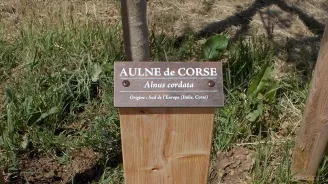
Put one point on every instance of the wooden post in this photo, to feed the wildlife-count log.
(160, 145)
(313, 136)
(166, 145)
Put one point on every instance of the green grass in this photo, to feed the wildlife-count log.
(53, 89)
(62, 75)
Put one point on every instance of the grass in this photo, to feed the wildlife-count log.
(53, 89)
(57, 83)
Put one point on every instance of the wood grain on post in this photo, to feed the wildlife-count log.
(160, 145)
(166, 145)
(313, 136)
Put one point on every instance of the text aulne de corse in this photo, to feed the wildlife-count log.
(158, 72)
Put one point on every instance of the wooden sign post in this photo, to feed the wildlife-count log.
(166, 145)
(170, 142)
(313, 136)
(166, 109)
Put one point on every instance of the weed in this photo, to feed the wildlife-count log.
(112, 176)
(244, 60)
(270, 167)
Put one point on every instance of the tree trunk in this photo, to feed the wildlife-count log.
(313, 136)
(135, 30)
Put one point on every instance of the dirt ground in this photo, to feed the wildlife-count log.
(45, 170)
(295, 23)
(233, 167)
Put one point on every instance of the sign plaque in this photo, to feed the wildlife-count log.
(168, 84)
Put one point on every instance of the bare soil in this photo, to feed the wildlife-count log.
(49, 170)
(233, 167)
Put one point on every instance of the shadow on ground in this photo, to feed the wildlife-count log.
(244, 18)
(298, 48)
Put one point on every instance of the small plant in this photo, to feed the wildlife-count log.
(261, 90)
(244, 59)
(215, 46)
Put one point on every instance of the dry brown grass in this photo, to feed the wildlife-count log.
(173, 17)
(315, 8)
(16, 14)
(179, 17)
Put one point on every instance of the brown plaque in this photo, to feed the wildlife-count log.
(168, 84)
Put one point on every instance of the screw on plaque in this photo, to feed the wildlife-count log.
(126, 83)
(211, 83)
